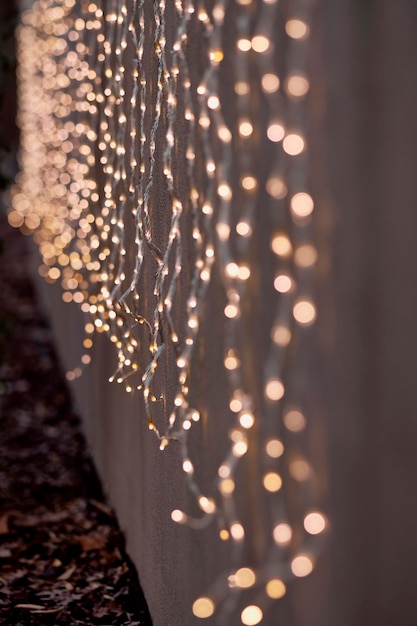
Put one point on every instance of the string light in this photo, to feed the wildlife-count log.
(251, 615)
(297, 29)
(203, 607)
(293, 144)
(274, 448)
(245, 578)
(95, 145)
(314, 523)
(297, 85)
(275, 588)
(294, 420)
(302, 565)
(270, 83)
(283, 534)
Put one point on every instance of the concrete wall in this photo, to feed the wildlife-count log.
(363, 372)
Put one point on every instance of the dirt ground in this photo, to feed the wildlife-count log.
(62, 556)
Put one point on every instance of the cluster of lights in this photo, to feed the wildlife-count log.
(94, 146)
(290, 208)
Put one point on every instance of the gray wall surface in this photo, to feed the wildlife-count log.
(363, 359)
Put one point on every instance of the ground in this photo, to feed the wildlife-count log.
(62, 556)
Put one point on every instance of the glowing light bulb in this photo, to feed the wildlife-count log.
(274, 389)
(231, 362)
(272, 482)
(232, 270)
(251, 615)
(243, 229)
(242, 88)
(282, 534)
(245, 578)
(249, 183)
(206, 504)
(246, 420)
(270, 83)
(294, 420)
(304, 312)
(283, 283)
(225, 191)
(305, 255)
(281, 245)
(227, 486)
(244, 45)
(203, 607)
(260, 43)
(244, 272)
(188, 467)
(240, 448)
(275, 588)
(297, 29)
(300, 469)
(224, 471)
(245, 128)
(293, 144)
(315, 523)
(274, 448)
(297, 85)
(302, 565)
(276, 187)
(178, 516)
(213, 102)
(275, 132)
(237, 531)
(302, 204)
(231, 311)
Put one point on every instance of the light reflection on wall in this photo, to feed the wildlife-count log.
(97, 124)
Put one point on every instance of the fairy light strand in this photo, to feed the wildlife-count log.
(104, 93)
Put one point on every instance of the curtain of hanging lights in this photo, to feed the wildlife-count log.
(111, 101)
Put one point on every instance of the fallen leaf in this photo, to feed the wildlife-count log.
(101, 612)
(93, 541)
(102, 507)
(68, 573)
(5, 553)
(4, 524)
(117, 554)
